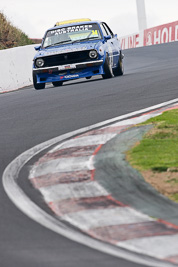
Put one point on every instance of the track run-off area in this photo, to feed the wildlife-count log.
(30, 117)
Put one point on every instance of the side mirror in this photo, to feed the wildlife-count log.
(37, 48)
(115, 35)
(107, 37)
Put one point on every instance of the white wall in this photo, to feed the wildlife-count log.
(16, 67)
(131, 41)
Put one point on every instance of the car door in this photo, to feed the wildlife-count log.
(108, 44)
(114, 44)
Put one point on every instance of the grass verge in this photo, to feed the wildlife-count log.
(156, 156)
(11, 36)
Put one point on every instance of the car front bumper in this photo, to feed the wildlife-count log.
(69, 72)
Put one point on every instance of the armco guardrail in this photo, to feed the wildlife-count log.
(16, 67)
(157, 35)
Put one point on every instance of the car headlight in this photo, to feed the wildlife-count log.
(39, 62)
(93, 54)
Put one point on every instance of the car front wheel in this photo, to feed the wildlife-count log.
(37, 86)
(119, 71)
(107, 68)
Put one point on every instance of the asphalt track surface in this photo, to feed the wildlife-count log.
(30, 117)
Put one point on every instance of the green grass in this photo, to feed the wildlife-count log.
(174, 197)
(158, 149)
(166, 119)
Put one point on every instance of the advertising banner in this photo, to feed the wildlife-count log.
(161, 34)
(131, 41)
(165, 33)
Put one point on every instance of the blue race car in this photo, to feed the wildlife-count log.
(77, 49)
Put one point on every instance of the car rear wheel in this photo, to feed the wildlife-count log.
(55, 84)
(119, 71)
(37, 86)
(107, 68)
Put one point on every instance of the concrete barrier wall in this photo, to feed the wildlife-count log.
(16, 67)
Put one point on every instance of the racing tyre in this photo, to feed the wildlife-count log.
(55, 84)
(107, 68)
(119, 71)
(88, 78)
(37, 86)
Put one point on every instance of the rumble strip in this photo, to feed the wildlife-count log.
(65, 176)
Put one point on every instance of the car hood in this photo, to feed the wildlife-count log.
(69, 48)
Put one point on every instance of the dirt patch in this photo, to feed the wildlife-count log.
(165, 182)
(163, 133)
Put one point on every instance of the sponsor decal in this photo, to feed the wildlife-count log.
(71, 76)
(65, 51)
(67, 67)
(71, 29)
(95, 33)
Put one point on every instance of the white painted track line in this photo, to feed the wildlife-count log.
(156, 246)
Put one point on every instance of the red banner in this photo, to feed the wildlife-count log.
(161, 34)
(131, 41)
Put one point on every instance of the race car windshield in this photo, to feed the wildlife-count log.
(74, 33)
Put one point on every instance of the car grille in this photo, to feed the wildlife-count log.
(67, 58)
